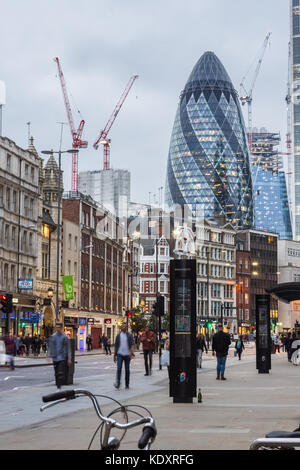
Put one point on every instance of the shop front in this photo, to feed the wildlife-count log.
(71, 326)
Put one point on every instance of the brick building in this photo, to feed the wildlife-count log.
(97, 239)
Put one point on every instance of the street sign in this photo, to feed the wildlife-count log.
(25, 284)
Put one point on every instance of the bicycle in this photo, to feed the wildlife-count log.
(278, 440)
(108, 442)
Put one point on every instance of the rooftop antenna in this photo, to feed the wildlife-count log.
(29, 134)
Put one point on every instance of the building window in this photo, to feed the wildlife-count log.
(45, 261)
(70, 241)
(13, 236)
(162, 287)
(45, 231)
(8, 199)
(24, 241)
(162, 251)
(31, 209)
(14, 201)
(5, 275)
(75, 243)
(26, 208)
(12, 276)
(6, 235)
(75, 270)
(30, 241)
(8, 162)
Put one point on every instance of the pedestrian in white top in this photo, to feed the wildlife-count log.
(124, 352)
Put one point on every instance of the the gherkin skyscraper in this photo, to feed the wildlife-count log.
(209, 160)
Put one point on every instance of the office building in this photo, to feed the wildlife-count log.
(209, 164)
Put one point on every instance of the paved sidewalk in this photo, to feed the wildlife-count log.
(232, 415)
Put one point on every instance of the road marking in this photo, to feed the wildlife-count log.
(14, 377)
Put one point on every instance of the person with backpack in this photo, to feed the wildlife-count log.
(239, 347)
(200, 346)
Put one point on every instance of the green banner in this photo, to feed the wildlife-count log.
(68, 287)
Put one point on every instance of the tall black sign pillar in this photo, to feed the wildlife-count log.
(183, 368)
(263, 334)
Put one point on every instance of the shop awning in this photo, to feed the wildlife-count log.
(287, 292)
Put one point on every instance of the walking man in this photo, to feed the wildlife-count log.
(148, 340)
(27, 342)
(60, 351)
(124, 352)
(220, 345)
(104, 340)
(200, 346)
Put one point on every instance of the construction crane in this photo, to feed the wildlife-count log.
(77, 141)
(247, 98)
(103, 136)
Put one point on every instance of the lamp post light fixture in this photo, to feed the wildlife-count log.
(59, 153)
(50, 292)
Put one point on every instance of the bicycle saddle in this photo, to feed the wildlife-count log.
(283, 434)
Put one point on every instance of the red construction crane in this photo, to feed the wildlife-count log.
(102, 139)
(76, 135)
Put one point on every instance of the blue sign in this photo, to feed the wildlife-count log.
(82, 321)
(34, 318)
(25, 284)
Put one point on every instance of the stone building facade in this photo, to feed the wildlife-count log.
(19, 212)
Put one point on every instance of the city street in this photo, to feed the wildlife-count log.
(232, 415)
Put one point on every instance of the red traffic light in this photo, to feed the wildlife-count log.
(129, 313)
(3, 297)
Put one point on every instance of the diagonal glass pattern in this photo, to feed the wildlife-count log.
(209, 164)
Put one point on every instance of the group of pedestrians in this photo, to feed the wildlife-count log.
(24, 345)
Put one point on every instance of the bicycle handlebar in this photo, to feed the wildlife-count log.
(149, 430)
(67, 394)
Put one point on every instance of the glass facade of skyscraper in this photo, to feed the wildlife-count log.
(271, 206)
(295, 111)
(209, 165)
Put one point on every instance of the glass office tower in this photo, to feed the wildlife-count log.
(295, 113)
(271, 205)
(209, 163)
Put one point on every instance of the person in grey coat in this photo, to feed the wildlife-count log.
(124, 352)
(60, 351)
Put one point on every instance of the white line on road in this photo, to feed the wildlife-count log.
(14, 377)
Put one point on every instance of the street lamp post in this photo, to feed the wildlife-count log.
(59, 152)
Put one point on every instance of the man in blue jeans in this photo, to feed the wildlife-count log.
(220, 345)
(124, 352)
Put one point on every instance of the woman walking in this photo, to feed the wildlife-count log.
(239, 346)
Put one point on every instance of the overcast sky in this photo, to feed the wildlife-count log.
(102, 43)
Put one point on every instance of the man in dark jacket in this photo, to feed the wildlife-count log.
(124, 352)
(220, 345)
(200, 346)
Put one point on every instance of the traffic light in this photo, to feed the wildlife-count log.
(128, 313)
(6, 303)
(208, 324)
(158, 308)
(155, 309)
